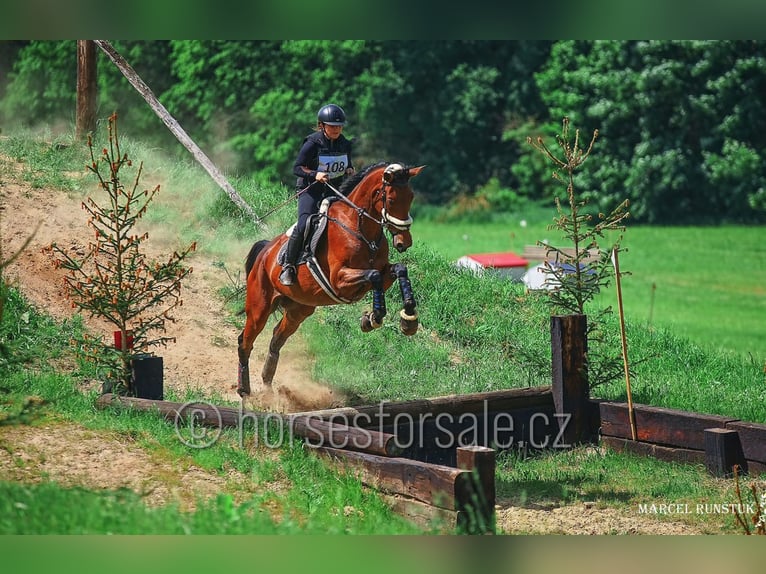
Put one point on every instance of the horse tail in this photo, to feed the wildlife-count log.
(254, 251)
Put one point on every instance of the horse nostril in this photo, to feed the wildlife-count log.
(400, 247)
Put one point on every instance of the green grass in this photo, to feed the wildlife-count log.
(705, 283)
(33, 392)
(480, 334)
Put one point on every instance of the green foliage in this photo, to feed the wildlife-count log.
(678, 119)
(666, 110)
(115, 280)
(41, 84)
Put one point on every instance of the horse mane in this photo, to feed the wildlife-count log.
(349, 185)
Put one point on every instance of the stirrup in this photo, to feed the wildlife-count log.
(287, 277)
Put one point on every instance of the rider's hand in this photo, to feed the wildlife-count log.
(350, 171)
(322, 176)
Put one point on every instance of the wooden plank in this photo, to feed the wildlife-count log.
(422, 514)
(752, 436)
(662, 426)
(664, 453)
(317, 431)
(385, 412)
(478, 502)
(437, 485)
(723, 452)
(569, 349)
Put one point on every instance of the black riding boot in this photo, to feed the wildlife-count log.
(294, 244)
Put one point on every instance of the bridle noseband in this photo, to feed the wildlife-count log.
(398, 172)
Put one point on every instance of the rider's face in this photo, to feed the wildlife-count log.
(332, 132)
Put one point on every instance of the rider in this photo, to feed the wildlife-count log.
(324, 157)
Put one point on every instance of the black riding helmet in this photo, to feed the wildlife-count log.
(331, 115)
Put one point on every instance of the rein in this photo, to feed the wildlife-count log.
(288, 200)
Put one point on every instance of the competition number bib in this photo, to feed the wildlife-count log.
(334, 164)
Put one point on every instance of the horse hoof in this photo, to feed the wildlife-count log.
(243, 393)
(408, 324)
(368, 323)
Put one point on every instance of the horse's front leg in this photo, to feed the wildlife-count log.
(408, 316)
(374, 319)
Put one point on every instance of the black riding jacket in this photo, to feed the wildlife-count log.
(336, 155)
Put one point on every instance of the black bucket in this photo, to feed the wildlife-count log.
(147, 377)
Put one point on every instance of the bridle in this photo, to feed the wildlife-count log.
(387, 221)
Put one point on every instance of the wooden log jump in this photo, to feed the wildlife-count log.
(462, 497)
(313, 429)
(719, 442)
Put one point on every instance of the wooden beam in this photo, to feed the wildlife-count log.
(422, 514)
(434, 484)
(658, 425)
(384, 413)
(753, 439)
(87, 88)
(478, 502)
(316, 431)
(723, 452)
(571, 393)
(176, 129)
(664, 453)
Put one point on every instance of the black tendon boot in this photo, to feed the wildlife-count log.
(294, 244)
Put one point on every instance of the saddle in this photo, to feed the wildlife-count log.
(315, 229)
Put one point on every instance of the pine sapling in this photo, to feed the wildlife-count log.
(115, 280)
(579, 281)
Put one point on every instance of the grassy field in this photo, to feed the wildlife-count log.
(477, 334)
(704, 283)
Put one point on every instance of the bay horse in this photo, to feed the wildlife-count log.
(350, 259)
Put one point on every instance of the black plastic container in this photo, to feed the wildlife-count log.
(147, 377)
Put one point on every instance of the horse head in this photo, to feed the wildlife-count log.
(397, 199)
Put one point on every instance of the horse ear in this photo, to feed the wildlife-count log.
(413, 171)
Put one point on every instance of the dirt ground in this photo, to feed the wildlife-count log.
(204, 357)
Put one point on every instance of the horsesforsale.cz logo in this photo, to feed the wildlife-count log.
(199, 424)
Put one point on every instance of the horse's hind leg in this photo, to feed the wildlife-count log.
(254, 324)
(258, 308)
(408, 316)
(294, 315)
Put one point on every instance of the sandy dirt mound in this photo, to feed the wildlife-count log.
(205, 354)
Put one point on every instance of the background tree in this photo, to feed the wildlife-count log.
(679, 120)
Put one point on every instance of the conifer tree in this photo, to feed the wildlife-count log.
(114, 279)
